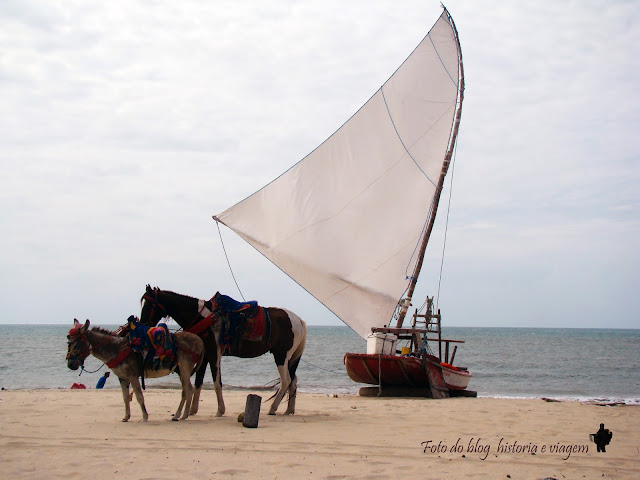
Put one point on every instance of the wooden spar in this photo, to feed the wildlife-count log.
(443, 173)
(455, 347)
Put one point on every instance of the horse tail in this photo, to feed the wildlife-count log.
(199, 364)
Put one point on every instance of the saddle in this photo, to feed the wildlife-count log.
(241, 321)
(228, 305)
(155, 345)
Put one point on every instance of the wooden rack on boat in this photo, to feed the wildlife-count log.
(416, 335)
(411, 334)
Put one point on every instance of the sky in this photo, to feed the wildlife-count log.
(125, 125)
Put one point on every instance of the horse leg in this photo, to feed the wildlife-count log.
(293, 391)
(189, 397)
(187, 391)
(285, 381)
(217, 384)
(196, 392)
(293, 387)
(176, 416)
(293, 363)
(137, 389)
(124, 384)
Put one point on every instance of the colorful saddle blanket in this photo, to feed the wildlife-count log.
(156, 345)
(240, 321)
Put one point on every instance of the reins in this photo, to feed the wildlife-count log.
(91, 348)
(82, 369)
(156, 303)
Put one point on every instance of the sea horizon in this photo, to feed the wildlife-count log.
(346, 326)
(586, 364)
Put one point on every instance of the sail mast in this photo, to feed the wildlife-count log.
(443, 173)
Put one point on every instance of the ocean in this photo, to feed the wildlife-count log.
(577, 364)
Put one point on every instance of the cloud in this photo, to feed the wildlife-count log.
(126, 125)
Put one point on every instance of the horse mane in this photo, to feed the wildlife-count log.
(103, 331)
(183, 309)
(167, 292)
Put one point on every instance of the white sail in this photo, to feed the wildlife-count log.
(346, 220)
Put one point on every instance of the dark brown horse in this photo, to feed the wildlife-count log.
(116, 352)
(285, 338)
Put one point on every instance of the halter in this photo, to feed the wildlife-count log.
(81, 355)
(164, 313)
(155, 303)
(77, 354)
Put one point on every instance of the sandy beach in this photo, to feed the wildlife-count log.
(78, 434)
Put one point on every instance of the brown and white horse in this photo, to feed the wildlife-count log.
(116, 352)
(286, 340)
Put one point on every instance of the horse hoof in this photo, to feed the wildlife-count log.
(174, 419)
(125, 419)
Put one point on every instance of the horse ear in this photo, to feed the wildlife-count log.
(76, 322)
(148, 288)
(86, 324)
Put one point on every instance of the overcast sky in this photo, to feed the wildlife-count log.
(125, 125)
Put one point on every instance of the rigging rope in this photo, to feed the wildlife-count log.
(320, 368)
(229, 263)
(446, 225)
(424, 229)
(400, 138)
(273, 383)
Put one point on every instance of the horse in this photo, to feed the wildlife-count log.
(285, 338)
(116, 351)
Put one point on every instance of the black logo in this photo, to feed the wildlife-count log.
(601, 438)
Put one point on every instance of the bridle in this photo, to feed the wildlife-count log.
(155, 303)
(79, 355)
(76, 354)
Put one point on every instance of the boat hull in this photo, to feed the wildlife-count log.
(454, 378)
(397, 370)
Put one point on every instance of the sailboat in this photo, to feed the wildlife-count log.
(350, 222)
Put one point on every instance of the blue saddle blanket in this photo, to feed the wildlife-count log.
(229, 305)
(156, 345)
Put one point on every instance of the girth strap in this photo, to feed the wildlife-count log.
(201, 326)
(121, 357)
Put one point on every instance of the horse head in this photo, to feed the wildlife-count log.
(78, 347)
(152, 310)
